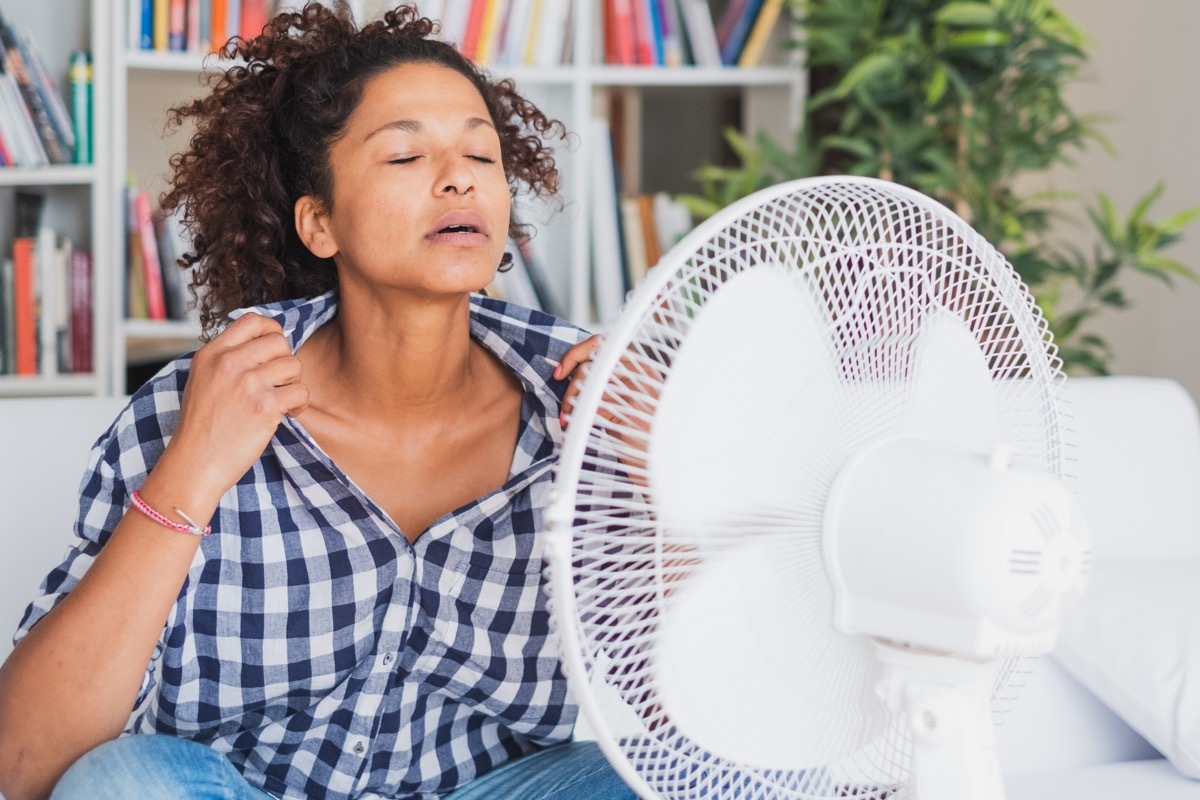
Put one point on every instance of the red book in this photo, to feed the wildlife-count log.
(254, 18)
(470, 40)
(624, 31)
(156, 302)
(643, 34)
(25, 306)
(80, 320)
(177, 26)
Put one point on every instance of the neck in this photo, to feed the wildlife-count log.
(414, 356)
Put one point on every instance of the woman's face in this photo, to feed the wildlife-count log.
(420, 199)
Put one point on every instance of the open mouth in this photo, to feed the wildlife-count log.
(459, 229)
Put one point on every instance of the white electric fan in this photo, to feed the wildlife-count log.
(810, 513)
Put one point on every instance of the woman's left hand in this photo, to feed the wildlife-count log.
(574, 365)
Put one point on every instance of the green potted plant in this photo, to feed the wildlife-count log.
(960, 100)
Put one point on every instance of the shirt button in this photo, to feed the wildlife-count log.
(388, 658)
(359, 748)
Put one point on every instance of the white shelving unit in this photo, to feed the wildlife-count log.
(74, 193)
(134, 89)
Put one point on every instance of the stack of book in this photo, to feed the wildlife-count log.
(46, 304)
(156, 285)
(677, 33)
(629, 231)
(36, 128)
(194, 26)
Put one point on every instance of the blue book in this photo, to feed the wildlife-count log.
(739, 33)
(146, 29)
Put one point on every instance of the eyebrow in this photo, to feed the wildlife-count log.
(415, 126)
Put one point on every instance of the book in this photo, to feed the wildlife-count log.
(47, 89)
(731, 48)
(173, 242)
(81, 104)
(636, 258)
(62, 305)
(7, 357)
(52, 150)
(554, 33)
(233, 18)
(81, 303)
(730, 14)
(140, 19)
(25, 306)
(607, 268)
(253, 18)
(643, 33)
(218, 33)
(29, 150)
(177, 26)
(490, 30)
(672, 46)
(156, 304)
(45, 291)
(701, 34)
(162, 25)
(191, 42)
(760, 34)
(470, 40)
(623, 32)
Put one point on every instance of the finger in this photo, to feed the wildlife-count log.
(261, 349)
(280, 371)
(575, 356)
(247, 327)
(293, 398)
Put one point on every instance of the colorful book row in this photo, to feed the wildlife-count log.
(36, 126)
(676, 33)
(46, 299)
(156, 286)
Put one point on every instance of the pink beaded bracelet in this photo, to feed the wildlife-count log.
(192, 527)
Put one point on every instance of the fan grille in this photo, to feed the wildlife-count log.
(880, 259)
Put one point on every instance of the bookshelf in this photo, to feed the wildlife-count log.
(134, 88)
(74, 204)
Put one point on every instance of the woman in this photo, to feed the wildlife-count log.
(370, 444)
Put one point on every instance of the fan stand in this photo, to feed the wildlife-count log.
(946, 701)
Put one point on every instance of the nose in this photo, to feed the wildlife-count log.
(457, 177)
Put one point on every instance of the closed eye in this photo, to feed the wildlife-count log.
(483, 159)
(406, 160)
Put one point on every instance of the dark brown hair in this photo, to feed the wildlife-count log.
(262, 139)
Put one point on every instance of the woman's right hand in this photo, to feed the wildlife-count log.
(239, 387)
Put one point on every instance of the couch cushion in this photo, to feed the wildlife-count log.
(1138, 466)
(1134, 642)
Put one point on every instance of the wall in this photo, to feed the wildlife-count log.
(1144, 75)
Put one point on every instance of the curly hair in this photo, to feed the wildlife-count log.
(262, 138)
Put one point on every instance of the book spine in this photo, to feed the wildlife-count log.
(759, 35)
(81, 105)
(253, 18)
(192, 39)
(80, 323)
(35, 108)
(24, 306)
(162, 25)
(740, 32)
(219, 35)
(155, 299)
(47, 88)
(6, 269)
(470, 43)
(62, 305)
(233, 17)
(204, 27)
(145, 24)
(177, 26)
(45, 292)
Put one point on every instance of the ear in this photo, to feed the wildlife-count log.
(312, 224)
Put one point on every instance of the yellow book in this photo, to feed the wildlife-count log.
(489, 33)
(760, 33)
(162, 25)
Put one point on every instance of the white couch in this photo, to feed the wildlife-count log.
(1139, 480)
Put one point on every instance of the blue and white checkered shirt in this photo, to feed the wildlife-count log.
(312, 644)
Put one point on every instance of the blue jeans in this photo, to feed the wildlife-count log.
(148, 767)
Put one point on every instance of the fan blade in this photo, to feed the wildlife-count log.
(746, 434)
(953, 399)
(748, 665)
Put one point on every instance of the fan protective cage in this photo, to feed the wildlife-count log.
(880, 259)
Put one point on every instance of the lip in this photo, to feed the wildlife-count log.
(438, 232)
